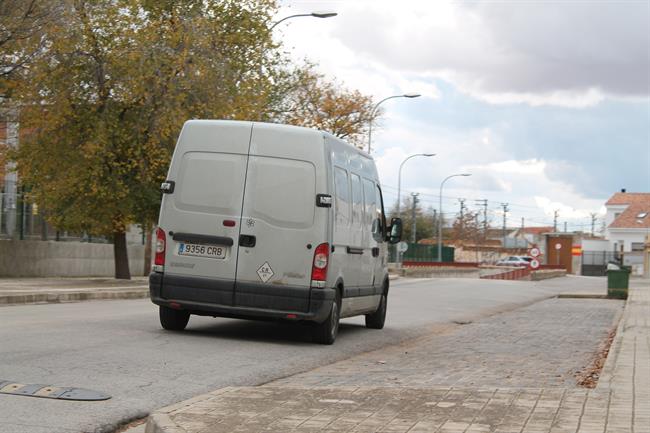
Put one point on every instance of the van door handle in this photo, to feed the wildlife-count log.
(375, 252)
(247, 241)
(352, 250)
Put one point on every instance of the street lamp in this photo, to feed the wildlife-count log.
(440, 214)
(399, 182)
(374, 109)
(317, 14)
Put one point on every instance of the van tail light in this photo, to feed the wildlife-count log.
(160, 247)
(319, 266)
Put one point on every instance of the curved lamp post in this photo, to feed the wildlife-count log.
(318, 14)
(440, 213)
(374, 109)
(399, 186)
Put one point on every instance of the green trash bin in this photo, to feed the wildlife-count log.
(618, 282)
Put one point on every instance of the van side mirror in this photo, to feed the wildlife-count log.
(395, 231)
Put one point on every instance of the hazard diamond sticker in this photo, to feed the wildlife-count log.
(265, 272)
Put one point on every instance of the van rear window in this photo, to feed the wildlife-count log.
(281, 192)
(210, 183)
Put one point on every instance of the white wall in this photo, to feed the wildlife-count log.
(627, 236)
(596, 245)
(613, 210)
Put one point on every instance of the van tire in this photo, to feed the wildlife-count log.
(377, 319)
(173, 320)
(326, 332)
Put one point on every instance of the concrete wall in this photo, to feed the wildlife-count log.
(596, 245)
(63, 259)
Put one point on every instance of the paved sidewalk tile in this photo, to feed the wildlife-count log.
(351, 401)
(544, 344)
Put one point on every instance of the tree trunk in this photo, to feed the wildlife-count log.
(121, 256)
(147, 249)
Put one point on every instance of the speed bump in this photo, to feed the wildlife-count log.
(49, 391)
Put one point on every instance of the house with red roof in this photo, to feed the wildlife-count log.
(627, 224)
(628, 220)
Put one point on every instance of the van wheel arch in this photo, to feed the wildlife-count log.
(339, 287)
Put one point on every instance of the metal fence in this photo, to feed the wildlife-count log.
(20, 219)
(594, 263)
(423, 253)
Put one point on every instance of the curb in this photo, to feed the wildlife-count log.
(56, 298)
(160, 421)
(607, 373)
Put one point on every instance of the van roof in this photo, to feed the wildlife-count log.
(279, 126)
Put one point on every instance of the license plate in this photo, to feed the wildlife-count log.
(200, 250)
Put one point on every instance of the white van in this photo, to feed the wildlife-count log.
(266, 221)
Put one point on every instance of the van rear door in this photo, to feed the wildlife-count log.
(281, 225)
(202, 216)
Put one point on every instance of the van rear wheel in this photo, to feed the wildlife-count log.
(173, 320)
(326, 332)
(377, 319)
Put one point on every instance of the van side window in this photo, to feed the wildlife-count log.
(357, 200)
(379, 222)
(342, 192)
(370, 201)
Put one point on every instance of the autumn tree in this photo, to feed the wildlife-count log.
(106, 101)
(105, 98)
(467, 228)
(21, 29)
(309, 99)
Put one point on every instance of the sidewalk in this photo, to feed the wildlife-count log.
(15, 291)
(458, 380)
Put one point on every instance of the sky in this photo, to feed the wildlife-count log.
(545, 103)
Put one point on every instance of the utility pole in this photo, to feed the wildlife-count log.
(522, 225)
(484, 203)
(435, 221)
(462, 214)
(415, 202)
(593, 222)
(505, 213)
(556, 213)
(565, 229)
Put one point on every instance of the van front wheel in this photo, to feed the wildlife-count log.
(377, 319)
(326, 332)
(173, 320)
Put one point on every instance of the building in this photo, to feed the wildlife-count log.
(627, 226)
(627, 221)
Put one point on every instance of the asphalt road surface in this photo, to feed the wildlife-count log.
(118, 347)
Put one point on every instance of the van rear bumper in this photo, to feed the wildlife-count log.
(318, 302)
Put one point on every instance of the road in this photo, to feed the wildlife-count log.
(118, 347)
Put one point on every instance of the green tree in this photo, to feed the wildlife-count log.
(104, 104)
(105, 98)
(424, 225)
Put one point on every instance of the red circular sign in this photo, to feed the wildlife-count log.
(534, 264)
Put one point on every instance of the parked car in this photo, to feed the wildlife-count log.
(515, 261)
(264, 221)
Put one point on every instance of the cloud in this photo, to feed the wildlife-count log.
(570, 53)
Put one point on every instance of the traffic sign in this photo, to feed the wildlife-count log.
(558, 246)
(534, 264)
(534, 252)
